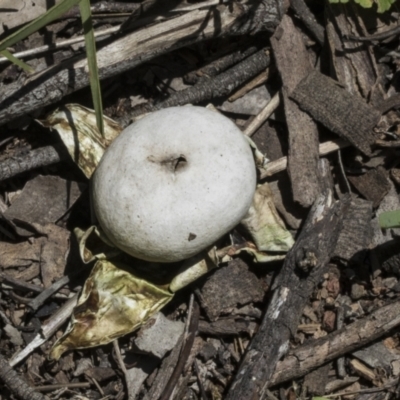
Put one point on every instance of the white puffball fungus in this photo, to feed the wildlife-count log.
(173, 183)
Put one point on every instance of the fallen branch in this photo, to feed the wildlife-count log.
(218, 86)
(308, 18)
(315, 353)
(34, 159)
(16, 384)
(303, 269)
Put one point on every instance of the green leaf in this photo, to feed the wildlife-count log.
(389, 219)
(17, 61)
(90, 42)
(319, 398)
(365, 3)
(384, 5)
(38, 23)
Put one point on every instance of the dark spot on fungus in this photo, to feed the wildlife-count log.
(192, 236)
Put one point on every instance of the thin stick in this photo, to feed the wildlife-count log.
(119, 357)
(187, 346)
(59, 45)
(391, 383)
(378, 36)
(256, 81)
(263, 115)
(308, 18)
(324, 148)
(16, 384)
(48, 330)
(201, 386)
(50, 388)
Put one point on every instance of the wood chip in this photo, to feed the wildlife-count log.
(293, 63)
(346, 115)
(373, 185)
(356, 234)
(228, 287)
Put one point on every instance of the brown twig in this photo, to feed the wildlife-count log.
(16, 384)
(377, 36)
(187, 346)
(55, 287)
(304, 13)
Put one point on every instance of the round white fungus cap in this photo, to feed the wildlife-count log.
(173, 183)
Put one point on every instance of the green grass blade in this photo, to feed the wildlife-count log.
(389, 219)
(17, 61)
(90, 42)
(38, 23)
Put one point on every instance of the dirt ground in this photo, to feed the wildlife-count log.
(315, 315)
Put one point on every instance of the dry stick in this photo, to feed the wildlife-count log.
(378, 36)
(47, 330)
(19, 284)
(16, 384)
(315, 353)
(34, 159)
(308, 18)
(187, 346)
(55, 287)
(35, 303)
(340, 363)
(60, 44)
(303, 269)
(50, 388)
(53, 84)
(265, 113)
(261, 78)
(219, 86)
(324, 148)
(220, 65)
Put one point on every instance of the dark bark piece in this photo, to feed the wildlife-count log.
(354, 64)
(303, 269)
(50, 86)
(373, 185)
(260, 16)
(34, 159)
(16, 384)
(307, 357)
(228, 287)
(388, 257)
(356, 234)
(316, 380)
(308, 18)
(293, 63)
(220, 65)
(377, 355)
(344, 114)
